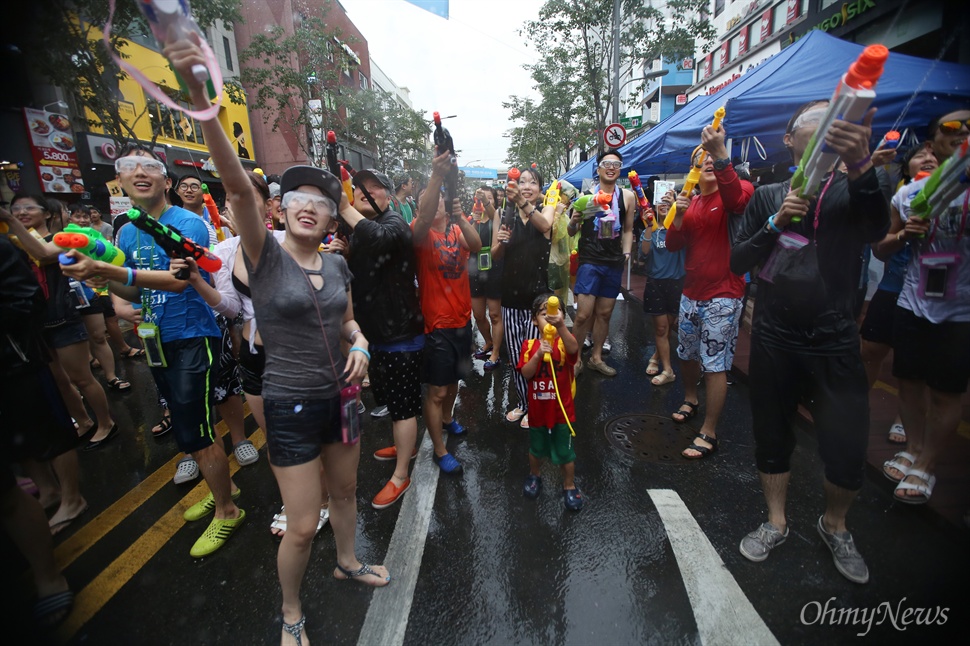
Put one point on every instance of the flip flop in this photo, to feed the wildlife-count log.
(132, 353)
(896, 429)
(53, 609)
(514, 415)
(363, 570)
(61, 525)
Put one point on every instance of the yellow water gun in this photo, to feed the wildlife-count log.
(549, 334)
(694, 175)
(552, 195)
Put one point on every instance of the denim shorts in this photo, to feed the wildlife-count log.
(66, 334)
(295, 430)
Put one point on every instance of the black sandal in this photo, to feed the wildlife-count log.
(703, 450)
(685, 414)
(132, 353)
(296, 630)
(163, 426)
(363, 570)
(119, 384)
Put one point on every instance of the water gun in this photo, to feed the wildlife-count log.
(694, 175)
(549, 334)
(347, 183)
(552, 194)
(174, 243)
(513, 178)
(478, 208)
(891, 140)
(210, 205)
(850, 102)
(171, 20)
(943, 186)
(646, 213)
(91, 243)
(590, 205)
(333, 165)
(444, 143)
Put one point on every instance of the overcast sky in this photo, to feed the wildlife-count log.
(466, 65)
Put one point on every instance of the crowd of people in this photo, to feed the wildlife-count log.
(382, 289)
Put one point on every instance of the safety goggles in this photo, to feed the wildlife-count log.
(150, 166)
(952, 127)
(300, 201)
(25, 208)
(611, 165)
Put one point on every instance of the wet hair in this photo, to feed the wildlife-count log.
(539, 302)
(606, 153)
(259, 184)
(133, 147)
(805, 107)
(908, 157)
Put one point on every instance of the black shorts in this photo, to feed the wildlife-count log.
(295, 430)
(187, 385)
(65, 334)
(251, 366)
(936, 353)
(102, 305)
(447, 355)
(662, 296)
(227, 374)
(486, 284)
(34, 422)
(395, 379)
(878, 324)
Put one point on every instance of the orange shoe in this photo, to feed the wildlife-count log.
(390, 453)
(390, 494)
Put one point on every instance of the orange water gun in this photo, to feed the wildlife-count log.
(646, 212)
(210, 205)
(694, 175)
(347, 184)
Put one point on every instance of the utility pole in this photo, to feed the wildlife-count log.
(616, 61)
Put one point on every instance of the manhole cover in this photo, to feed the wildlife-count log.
(651, 438)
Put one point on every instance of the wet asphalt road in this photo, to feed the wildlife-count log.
(493, 567)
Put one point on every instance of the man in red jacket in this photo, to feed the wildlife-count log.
(710, 307)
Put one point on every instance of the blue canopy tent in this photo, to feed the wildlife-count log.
(760, 103)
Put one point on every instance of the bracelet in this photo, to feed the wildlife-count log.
(362, 351)
(131, 277)
(771, 223)
(134, 277)
(860, 164)
(353, 335)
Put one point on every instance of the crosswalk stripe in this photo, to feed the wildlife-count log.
(723, 613)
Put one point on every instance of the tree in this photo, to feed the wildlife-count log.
(73, 56)
(581, 31)
(287, 72)
(395, 132)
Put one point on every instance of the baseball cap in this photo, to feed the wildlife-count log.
(312, 176)
(274, 189)
(381, 178)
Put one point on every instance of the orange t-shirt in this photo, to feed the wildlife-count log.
(446, 297)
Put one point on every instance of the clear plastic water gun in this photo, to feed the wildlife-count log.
(89, 242)
(943, 186)
(174, 243)
(646, 212)
(694, 174)
(210, 205)
(552, 194)
(171, 21)
(445, 143)
(853, 95)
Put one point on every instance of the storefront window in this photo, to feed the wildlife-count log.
(718, 7)
(174, 124)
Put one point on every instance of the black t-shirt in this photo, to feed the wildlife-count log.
(594, 250)
(525, 274)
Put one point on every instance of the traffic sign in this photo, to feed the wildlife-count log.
(615, 135)
(631, 123)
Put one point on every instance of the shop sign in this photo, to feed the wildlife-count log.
(680, 99)
(688, 64)
(848, 11)
(794, 10)
(766, 24)
(743, 40)
(725, 54)
(52, 141)
(720, 86)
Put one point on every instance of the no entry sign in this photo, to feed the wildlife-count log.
(614, 135)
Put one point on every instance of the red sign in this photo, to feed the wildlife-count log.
(766, 24)
(680, 99)
(794, 10)
(614, 135)
(725, 54)
(743, 40)
(708, 64)
(55, 154)
(688, 64)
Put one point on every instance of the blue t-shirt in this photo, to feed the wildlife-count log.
(178, 316)
(664, 264)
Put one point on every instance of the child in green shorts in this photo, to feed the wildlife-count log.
(547, 364)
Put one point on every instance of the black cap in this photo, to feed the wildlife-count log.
(311, 176)
(375, 174)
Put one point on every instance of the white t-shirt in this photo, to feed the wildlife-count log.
(944, 236)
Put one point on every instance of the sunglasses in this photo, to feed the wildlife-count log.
(299, 201)
(615, 165)
(150, 166)
(951, 127)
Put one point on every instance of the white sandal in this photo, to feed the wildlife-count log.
(664, 378)
(926, 490)
(902, 468)
(279, 521)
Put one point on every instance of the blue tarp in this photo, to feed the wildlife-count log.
(760, 103)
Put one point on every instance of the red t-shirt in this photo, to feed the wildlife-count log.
(704, 233)
(544, 410)
(446, 297)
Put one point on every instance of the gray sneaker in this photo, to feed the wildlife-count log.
(756, 545)
(847, 559)
(380, 411)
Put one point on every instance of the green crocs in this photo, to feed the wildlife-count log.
(216, 535)
(201, 509)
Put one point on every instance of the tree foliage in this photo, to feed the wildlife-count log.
(73, 56)
(580, 33)
(397, 134)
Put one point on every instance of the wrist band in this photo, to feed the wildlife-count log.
(131, 277)
(860, 164)
(134, 276)
(771, 223)
(362, 351)
(353, 335)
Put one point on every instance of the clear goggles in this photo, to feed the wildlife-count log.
(149, 165)
(299, 201)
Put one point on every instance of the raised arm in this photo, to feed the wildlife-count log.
(428, 206)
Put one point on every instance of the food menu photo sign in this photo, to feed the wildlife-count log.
(55, 152)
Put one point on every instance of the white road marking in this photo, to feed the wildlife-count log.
(387, 617)
(723, 613)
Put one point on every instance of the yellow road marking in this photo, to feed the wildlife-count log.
(963, 429)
